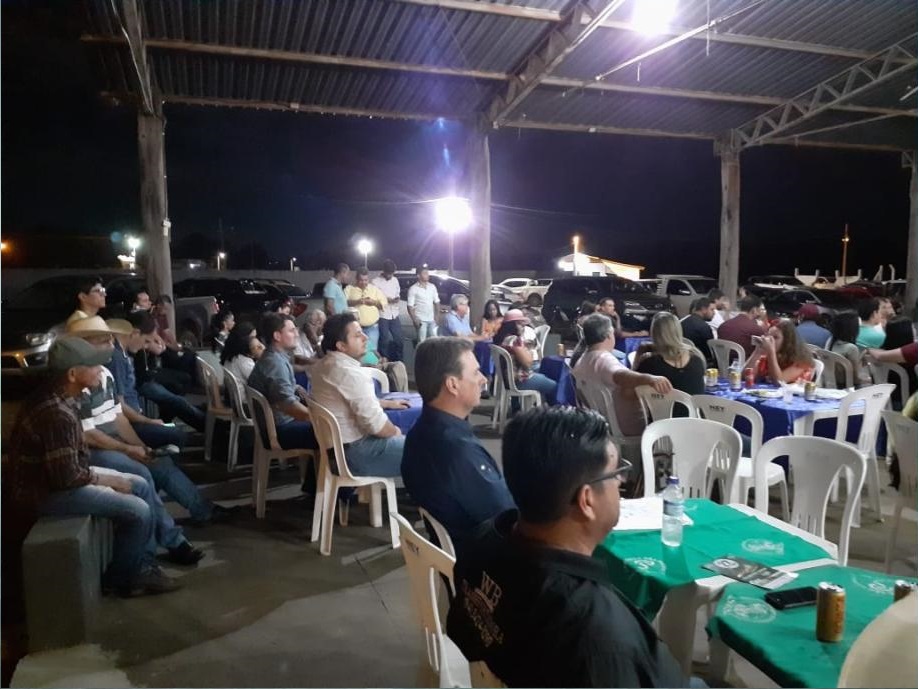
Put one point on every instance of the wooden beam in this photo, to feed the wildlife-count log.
(559, 82)
(911, 262)
(133, 36)
(728, 276)
(478, 159)
(595, 129)
(513, 11)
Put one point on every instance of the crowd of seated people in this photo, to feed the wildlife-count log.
(671, 356)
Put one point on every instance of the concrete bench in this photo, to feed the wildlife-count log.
(62, 564)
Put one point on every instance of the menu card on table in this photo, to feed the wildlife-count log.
(643, 514)
(750, 572)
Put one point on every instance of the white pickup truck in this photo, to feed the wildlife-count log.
(530, 290)
(682, 290)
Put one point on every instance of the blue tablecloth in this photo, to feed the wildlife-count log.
(483, 354)
(556, 368)
(630, 344)
(404, 418)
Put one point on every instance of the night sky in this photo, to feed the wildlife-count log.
(306, 186)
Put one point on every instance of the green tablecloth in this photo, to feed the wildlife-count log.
(644, 569)
(782, 643)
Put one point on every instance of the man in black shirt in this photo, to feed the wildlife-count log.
(696, 327)
(532, 602)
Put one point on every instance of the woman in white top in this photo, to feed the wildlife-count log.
(241, 351)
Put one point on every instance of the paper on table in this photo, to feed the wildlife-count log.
(643, 514)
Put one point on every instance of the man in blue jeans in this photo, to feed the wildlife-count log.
(49, 472)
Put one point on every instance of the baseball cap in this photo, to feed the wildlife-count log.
(515, 315)
(96, 325)
(68, 351)
(808, 312)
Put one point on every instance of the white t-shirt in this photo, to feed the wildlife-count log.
(240, 366)
(390, 289)
(423, 300)
(716, 321)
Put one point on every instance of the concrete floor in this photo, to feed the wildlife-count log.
(265, 609)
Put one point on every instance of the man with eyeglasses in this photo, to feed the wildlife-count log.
(531, 601)
(90, 299)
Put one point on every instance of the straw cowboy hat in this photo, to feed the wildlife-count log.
(96, 325)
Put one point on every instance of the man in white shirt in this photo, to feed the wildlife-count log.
(390, 328)
(721, 309)
(423, 301)
(373, 443)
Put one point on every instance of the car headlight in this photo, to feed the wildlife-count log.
(38, 339)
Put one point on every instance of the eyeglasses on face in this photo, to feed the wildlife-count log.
(624, 466)
(97, 290)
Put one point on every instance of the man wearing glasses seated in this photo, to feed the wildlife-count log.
(531, 601)
(90, 299)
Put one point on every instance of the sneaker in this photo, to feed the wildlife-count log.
(154, 581)
(185, 554)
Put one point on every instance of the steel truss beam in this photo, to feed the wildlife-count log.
(578, 23)
(855, 81)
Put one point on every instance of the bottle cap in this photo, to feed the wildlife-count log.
(672, 480)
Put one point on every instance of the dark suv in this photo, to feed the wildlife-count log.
(633, 302)
(248, 299)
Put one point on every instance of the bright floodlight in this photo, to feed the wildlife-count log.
(453, 214)
(133, 243)
(221, 255)
(365, 246)
(652, 17)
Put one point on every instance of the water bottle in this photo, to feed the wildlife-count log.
(673, 507)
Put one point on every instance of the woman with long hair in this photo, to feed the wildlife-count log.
(672, 357)
(845, 328)
(781, 356)
(241, 351)
(491, 320)
(898, 348)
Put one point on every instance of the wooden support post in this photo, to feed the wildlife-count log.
(479, 165)
(728, 277)
(911, 264)
(153, 206)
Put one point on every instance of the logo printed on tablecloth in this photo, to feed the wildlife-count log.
(881, 587)
(763, 545)
(650, 565)
(748, 609)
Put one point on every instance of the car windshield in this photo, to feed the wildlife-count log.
(623, 285)
(702, 285)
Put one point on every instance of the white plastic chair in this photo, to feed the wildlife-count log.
(426, 564)
(380, 377)
(328, 433)
(697, 445)
(883, 654)
(445, 540)
(658, 405)
(726, 411)
(215, 407)
(507, 390)
(722, 350)
(268, 448)
(541, 335)
(903, 434)
(819, 368)
(833, 362)
(879, 373)
(816, 463)
(597, 396)
(869, 401)
(239, 419)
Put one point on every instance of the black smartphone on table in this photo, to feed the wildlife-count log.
(791, 598)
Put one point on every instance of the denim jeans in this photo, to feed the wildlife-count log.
(168, 533)
(296, 435)
(372, 333)
(171, 405)
(540, 382)
(155, 435)
(427, 329)
(390, 338)
(372, 456)
(132, 519)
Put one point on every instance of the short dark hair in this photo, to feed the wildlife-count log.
(548, 453)
(700, 303)
(434, 360)
(341, 268)
(596, 328)
(845, 327)
(749, 302)
(898, 333)
(143, 321)
(867, 307)
(85, 284)
(604, 300)
(715, 294)
(388, 266)
(271, 322)
(335, 330)
(362, 271)
(422, 268)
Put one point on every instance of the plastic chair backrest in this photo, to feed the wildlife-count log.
(598, 397)
(819, 368)
(726, 411)
(446, 542)
(425, 562)
(263, 419)
(542, 335)
(696, 443)
(816, 462)
(235, 392)
(879, 372)
(631, 356)
(503, 363)
(904, 435)
(658, 406)
(208, 378)
(874, 399)
(722, 351)
(883, 654)
(380, 377)
(832, 363)
(328, 435)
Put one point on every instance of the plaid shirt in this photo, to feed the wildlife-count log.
(47, 449)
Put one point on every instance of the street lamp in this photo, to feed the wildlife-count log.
(576, 240)
(365, 246)
(652, 17)
(4, 247)
(220, 258)
(133, 244)
(453, 214)
(292, 261)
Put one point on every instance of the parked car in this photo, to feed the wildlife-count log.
(247, 298)
(682, 290)
(295, 293)
(35, 316)
(652, 285)
(634, 303)
(786, 303)
(529, 290)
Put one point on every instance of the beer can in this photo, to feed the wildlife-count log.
(561, 350)
(749, 375)
(830, 612)
(902, 588)
(809, 390)
(736, 380)
(710, 377)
